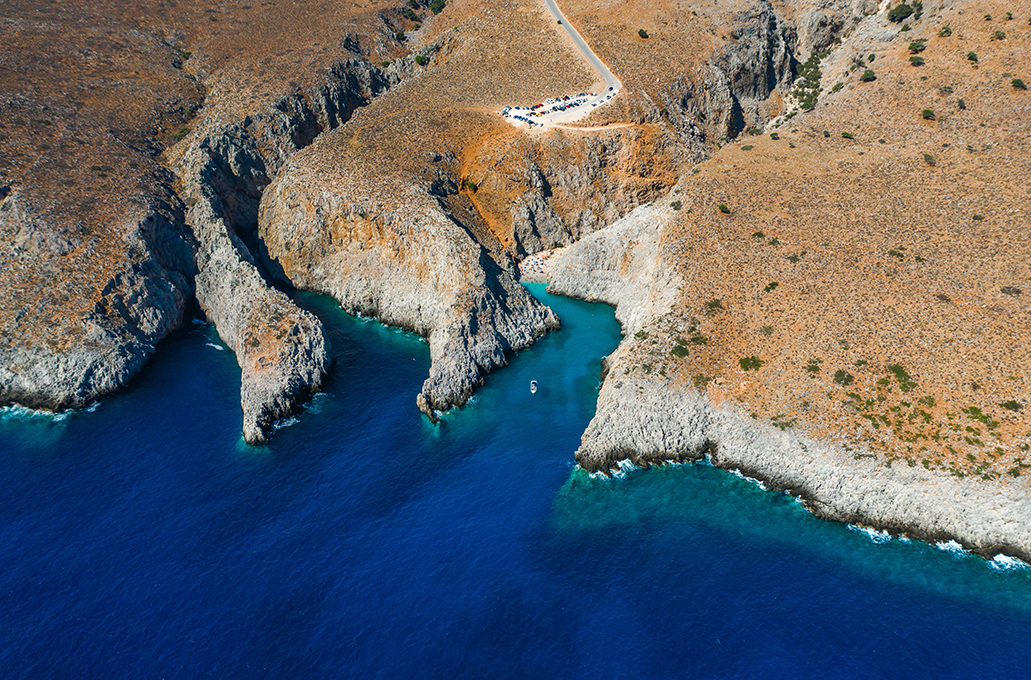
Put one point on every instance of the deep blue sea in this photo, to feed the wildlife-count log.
(143, 539)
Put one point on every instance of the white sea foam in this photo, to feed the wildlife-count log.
(18, 412)
(1006, 563)
(950, 546)
(220, 348)
(737, 473)
(875, 535)
(285, 423)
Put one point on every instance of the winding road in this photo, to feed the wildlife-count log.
(611, 88)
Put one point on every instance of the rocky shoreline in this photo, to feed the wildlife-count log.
(649, 420)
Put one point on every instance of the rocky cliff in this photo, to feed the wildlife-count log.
(224, 167)
(647, 416)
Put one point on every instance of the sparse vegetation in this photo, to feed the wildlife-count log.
(470, 185)
(900, 13)
(843, 378)
(1012, 405)
(766, 331)
(945, 32)
(713, 306)
(906, 383)
(752, 363)
(930, 160)
(676, 205)
(1012, 291)
(807, 83)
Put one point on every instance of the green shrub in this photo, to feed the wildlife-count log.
(837, 87)
(679, 351)
(999, 35)
(420, 60)
(766, 330)
(771, 286)
(384, 64)
(437, 6)
(930, 160)
(470, 185)
(826, 133)
(945, 32)
(905, 27)
(807, 87)
(916, 61)
(971, 56)
(676, 205)
(181, 132)
(752, 363)
(1012, 405)
(927, 114)
(871, 57)
(979, 218)
(906, 383)
(1018, 84)
(1012, 291)
(747, 147)
(643, 33)
(847, 135)
(184, 54)
(962, 105)
(917, 46)
(713, 306)
(774, 136)
(724, 209)
(843, 378)
(900, 13)
(868, 76)
(410, 15)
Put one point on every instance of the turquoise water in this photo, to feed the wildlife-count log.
(144, 539)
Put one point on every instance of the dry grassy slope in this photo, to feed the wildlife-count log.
(493, 54)
(90, 94)
(878, 258)
(692, 44)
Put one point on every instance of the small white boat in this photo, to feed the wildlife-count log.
(533, 387)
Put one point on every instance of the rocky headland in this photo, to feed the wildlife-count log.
(810, 218)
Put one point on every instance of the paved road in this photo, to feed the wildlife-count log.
(607, 93)
(592, 58)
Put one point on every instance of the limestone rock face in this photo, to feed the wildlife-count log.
(647, 422)
(731, 91)
(63, 349)
(651, 419)
(410, 265)
(281, 349)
